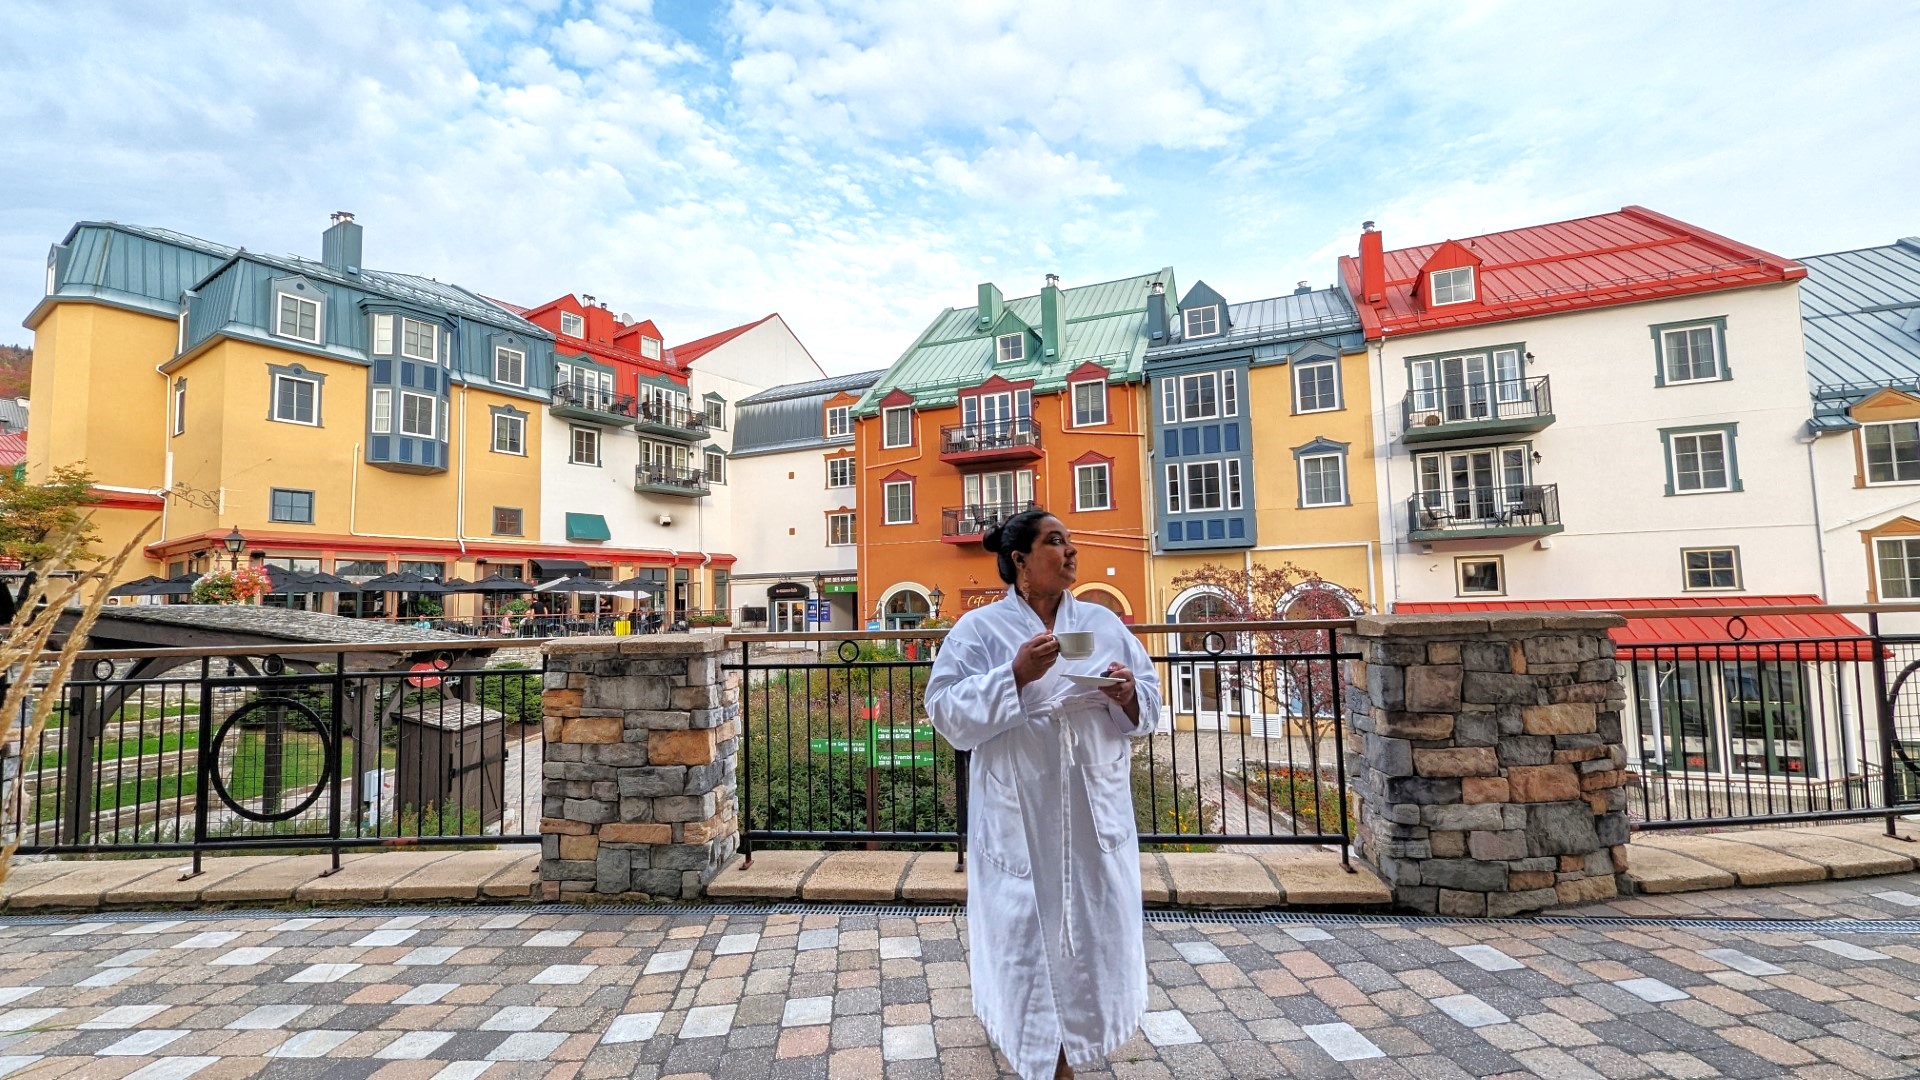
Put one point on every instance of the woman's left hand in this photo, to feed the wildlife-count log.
(1122, 693)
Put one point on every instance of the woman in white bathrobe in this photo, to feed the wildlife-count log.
(1054, 921)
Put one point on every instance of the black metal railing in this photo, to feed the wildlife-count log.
(1021, 433)
(1477, 402)
(592, 397)
(692, 481)
(305, 747)
(837, 747)
(1467, 510)
(1747, 729)
(653, 414)
(975, 519)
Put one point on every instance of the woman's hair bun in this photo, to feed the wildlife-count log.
(991, 539)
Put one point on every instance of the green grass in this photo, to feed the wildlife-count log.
(301, 771)
(122, 748)
(1313, 803)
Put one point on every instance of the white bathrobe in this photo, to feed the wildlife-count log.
(1054, 919)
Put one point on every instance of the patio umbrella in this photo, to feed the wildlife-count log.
(633, 587)
(174, 586)
(314, 581)
(573, 585)
(493, 584)
(136, 587)
(404, 582)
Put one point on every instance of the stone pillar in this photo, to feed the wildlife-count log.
(641, 735)
(1485, 754)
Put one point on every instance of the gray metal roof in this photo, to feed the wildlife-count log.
(1860, 313)
(789, 417)
(151, 267)
(13, 414)
(1320, 313)
(821, 387)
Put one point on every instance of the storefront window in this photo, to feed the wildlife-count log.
(1672, 699)
(1766, 717)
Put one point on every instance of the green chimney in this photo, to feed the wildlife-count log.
(1052, 327)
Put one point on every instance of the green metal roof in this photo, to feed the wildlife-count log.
(1103, 324)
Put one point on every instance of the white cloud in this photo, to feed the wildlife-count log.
(860, 166)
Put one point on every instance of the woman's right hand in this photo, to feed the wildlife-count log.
(1036, 655)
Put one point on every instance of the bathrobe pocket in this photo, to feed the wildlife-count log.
(996, 830)
(1109, 786)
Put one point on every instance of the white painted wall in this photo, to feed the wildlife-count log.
(606, 490)
(1845, 512)
(1623, 534)
(782, 527)
(730, 520)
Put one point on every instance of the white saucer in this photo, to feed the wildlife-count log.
(1092, 680)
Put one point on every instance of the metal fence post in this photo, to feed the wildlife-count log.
(1889, 784)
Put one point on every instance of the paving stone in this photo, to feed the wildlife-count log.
(1750, 864)
(774, 875)
(931, 878)
(867, 876)
(1656, 870)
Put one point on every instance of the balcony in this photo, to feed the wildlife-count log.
(967, 524)
(592, 404)
(1521, 510)
(670, 422)
(993, 441)
(667, 480)
(1476, 410)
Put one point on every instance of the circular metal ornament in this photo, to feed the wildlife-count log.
(102, 670)
(1737, 628)
(273, 665)
(297, 720)
(849, 652)
(1214, 643)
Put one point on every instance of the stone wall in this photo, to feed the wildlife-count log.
(639, 767)
(1486, 757)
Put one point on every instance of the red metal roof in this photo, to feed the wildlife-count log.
(685, 355)
(1625, 257)
(1812, 636)
(13, 448)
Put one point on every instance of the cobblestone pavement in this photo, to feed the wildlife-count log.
(525, 993)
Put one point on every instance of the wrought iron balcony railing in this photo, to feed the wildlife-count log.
(1476, 408)
(1502, 510)
(960, 524)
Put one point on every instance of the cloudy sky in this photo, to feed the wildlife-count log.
(857, 167)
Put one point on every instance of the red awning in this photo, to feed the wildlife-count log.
(1737, 636)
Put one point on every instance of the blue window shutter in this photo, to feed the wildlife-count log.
(1210, 439)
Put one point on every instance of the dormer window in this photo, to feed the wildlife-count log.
(650, 348)
(573, 325)
(1203, 321)
(298, 318)
(1012, 347)
(1454, 286)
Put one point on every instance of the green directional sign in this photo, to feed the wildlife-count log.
(890, 758)
(839, 746)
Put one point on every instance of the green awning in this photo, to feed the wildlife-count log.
(587, 527)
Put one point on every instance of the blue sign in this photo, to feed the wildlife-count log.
(873, 624)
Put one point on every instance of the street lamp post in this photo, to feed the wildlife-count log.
(236, 543)
(936, 596)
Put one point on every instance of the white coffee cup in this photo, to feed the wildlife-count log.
(1075, 644)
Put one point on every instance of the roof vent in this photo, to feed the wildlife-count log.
(1053, 281)
(586, 299)
(1158, 288)
(339, 216)
(1302, 288)
(1366, 226)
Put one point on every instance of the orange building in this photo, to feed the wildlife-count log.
(994, 409)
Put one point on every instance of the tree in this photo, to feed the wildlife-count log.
(1296, 682)
(33, 516)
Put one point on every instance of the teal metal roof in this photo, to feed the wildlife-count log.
(1860, 313)
(1103, 323)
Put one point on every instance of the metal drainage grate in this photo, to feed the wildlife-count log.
(1156, 916)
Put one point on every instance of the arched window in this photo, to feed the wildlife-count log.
(1201, 607)
(1105, 599)
(906, 610)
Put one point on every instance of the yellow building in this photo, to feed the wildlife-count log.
(342, 419)
(1262, 455)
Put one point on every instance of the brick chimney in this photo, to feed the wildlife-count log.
(1373, 264)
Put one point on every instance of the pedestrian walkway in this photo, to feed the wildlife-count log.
(865, 993)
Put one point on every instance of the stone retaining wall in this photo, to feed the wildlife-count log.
(1486, 756)
(641, 734)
